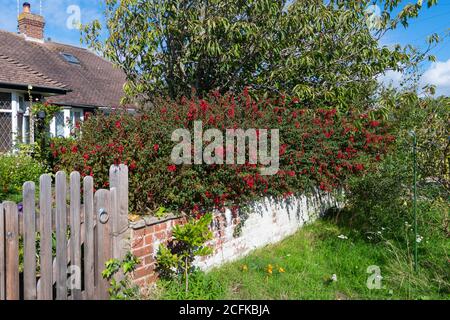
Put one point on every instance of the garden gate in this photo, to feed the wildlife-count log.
(58, 248)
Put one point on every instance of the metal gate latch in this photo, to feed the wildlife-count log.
(103, 216)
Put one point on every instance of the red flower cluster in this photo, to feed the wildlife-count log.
(317, 148)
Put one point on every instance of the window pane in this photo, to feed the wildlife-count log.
(26, 129)
(70, 58)
(5, 101)
(59, 120)
(5, 132)
(75, 116)
(19, 127)
(22, 104)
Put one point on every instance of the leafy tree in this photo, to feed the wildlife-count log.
(382, 200)
(324, 52)
(429, 118)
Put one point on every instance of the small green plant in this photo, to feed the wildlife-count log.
(161, 213)
(175, 260)
(122, 289)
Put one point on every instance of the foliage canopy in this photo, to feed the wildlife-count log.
(322, 53)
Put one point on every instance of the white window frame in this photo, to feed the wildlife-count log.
(67, 116)
(15, 111)
(26, 112)
(13, 116)
(7, 110)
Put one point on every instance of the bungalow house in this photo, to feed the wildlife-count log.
(33, 69)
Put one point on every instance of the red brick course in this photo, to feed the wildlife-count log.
(144, 245)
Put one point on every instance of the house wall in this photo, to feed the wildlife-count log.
(267, 222)
(17, 132)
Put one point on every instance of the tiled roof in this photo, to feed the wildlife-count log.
(93, 82)
(14, 72)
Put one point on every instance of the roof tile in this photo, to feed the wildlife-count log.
(94, 82)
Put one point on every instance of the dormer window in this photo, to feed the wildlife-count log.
(70, 58)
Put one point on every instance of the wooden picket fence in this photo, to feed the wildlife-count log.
(66, 238)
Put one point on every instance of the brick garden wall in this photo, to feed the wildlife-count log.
(266, 223)
(146, 235)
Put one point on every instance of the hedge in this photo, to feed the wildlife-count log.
(318, 149)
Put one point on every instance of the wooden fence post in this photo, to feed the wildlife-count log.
(29, 241)
(118, 177)
(89, 256)
(2, 253)
(75, 230)
(61, 236)
(102, 208)
(45, 286)
(12, 250)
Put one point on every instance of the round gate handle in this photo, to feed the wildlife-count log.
(103, 216)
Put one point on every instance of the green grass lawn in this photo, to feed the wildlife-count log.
(309, 258)
(307, 261)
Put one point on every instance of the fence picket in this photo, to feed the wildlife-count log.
(12, 250)
(98, 229)
(61, 236)
(2, 253)
(29, 227)
(89, 271)
(46, 259)
(116, 236)
(75, 227)
(102, 208)
(118, 177)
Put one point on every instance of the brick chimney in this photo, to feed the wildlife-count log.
(31, 25)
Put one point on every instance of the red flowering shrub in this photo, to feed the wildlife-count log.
(318, 149)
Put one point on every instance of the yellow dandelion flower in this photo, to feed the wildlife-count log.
(281, 270)
(244, 267)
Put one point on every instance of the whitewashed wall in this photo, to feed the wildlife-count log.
(268, 222)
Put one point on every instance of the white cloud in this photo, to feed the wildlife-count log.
(390, 77)
(439, 75)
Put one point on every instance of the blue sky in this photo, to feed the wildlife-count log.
(433, 20)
